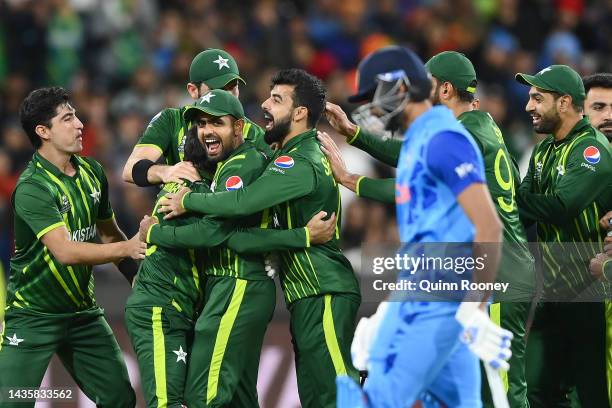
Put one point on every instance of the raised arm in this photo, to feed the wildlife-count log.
(384, 150)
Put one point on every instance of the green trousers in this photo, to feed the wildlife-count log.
(161, 338)
(511, 316)
(322, 328)
(227, 343)
(84, 343)
(566, 351)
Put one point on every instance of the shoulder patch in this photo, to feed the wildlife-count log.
(591, 155)
(284, 162)
(233, 183)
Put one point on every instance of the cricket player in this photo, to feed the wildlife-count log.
(165, 135)
(598, 109)
(454, 84)
(318, 282)
(61, 205)
(170, 288)
(598, 102)
(566, 190)
(417, 349)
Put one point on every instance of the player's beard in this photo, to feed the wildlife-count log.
(549, 122)
(211, 162)
(606, 128)
(279, 131)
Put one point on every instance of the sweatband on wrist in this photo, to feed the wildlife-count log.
(128, 268)
(139, 172)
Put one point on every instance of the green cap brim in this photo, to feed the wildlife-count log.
(191, 111)
(220, 81)
(531, 80)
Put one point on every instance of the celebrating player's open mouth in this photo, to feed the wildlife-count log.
(535, 119)
(269, 120)
(214, 146)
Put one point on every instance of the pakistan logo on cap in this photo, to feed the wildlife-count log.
(221, 62)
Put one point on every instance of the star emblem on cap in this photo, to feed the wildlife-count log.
(544, 70)
(180, 355)
(206, 98)
(221, 62)
(14, 341)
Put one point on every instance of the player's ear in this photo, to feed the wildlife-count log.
(447, 90)
(564, 103)
(43, 132)
(300, 113)
(238, 127)
(194, 89)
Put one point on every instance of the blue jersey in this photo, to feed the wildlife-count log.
(439, 159)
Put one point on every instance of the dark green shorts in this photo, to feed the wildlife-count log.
(322, 328)
(84, 343)
(228, 339)
(162, 339)
(566, 351)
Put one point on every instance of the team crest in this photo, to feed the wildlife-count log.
(65, 205)
(233, 183)
(591, 155)
(284, 162)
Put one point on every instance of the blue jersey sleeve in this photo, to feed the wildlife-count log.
(454, 160)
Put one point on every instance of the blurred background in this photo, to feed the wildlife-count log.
(125, 60)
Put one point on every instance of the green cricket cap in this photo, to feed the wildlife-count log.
(216, 68)
(453, 67)
(216, 103)
(557, 78)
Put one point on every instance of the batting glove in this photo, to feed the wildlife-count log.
(484, 338)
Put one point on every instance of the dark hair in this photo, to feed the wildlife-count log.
(194, 151)
(599, 80)
(465, 96)
(38, 108)
(309, 91)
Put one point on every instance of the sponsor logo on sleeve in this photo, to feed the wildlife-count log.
(464, 169)
(233, 183)
(591, 155)
(284, 162)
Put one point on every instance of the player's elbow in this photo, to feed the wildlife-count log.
(65, 255)
(127, 172)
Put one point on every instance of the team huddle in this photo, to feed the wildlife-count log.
(239, 203)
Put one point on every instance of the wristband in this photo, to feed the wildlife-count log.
(139, 172)
(128, 268)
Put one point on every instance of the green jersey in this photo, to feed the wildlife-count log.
(517, 264)
(298, 183)
(240, 169)
(167, 132)
(568, 187)
(171, 277)
(45, 199)
(233, 246)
